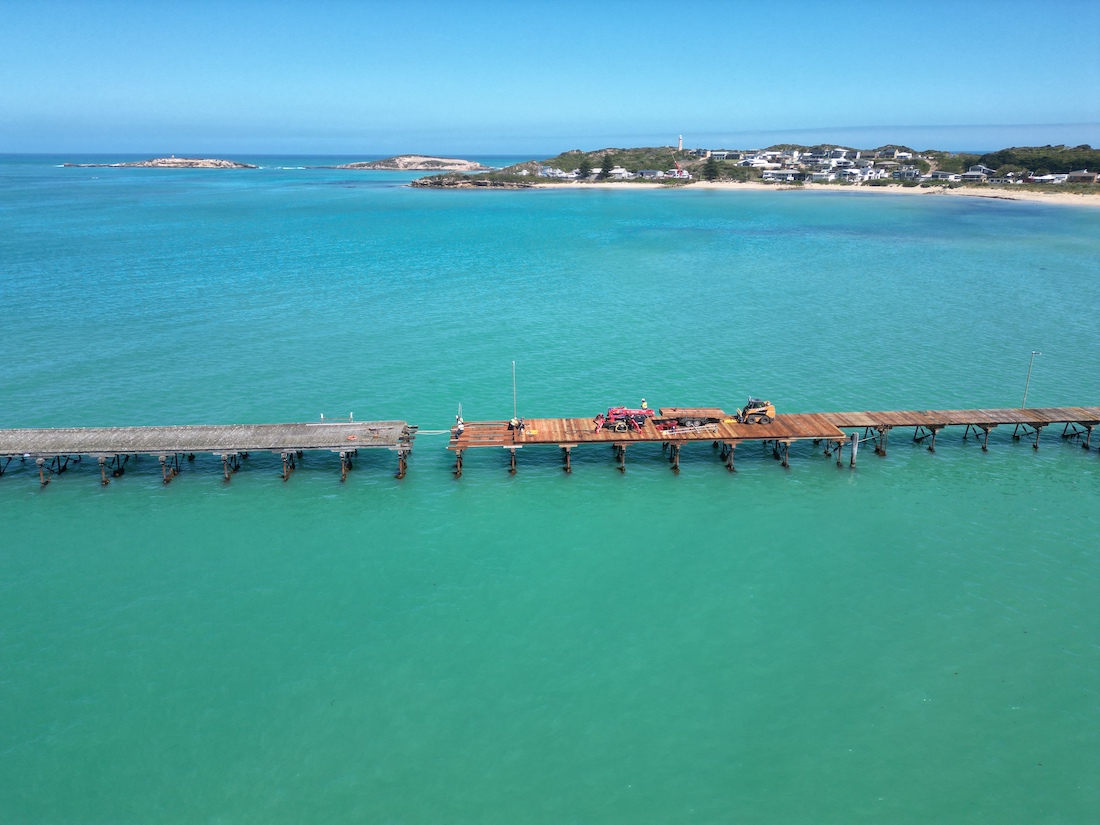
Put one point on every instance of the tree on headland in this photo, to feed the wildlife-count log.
(585, 168)
(710, 169)
(608, 165)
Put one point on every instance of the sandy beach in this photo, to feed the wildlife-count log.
(1063, 198)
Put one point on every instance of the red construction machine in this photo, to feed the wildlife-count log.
(622, 419)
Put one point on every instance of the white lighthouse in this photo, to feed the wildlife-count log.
(680, 144)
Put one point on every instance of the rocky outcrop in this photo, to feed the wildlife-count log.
(418, 163)
(459, 181)
(172, 163)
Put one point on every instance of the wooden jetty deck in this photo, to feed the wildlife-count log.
(725, 432)
(568, 433)
(52, 449)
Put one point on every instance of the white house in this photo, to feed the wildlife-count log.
(650, 174)
(939, 174)
(781, 175)
(551, 172)
(824, 176)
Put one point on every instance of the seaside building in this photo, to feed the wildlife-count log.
(782, 175)
(907, 173)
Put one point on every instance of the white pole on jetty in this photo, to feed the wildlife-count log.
(514, 408)
(1027, 383)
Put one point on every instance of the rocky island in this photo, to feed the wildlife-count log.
(171, 163)
(458, 180)
(416, 163)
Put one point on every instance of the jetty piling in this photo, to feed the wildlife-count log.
(1079, 428)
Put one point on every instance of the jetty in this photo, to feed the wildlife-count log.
(837, 430)
(673, 428)
(53, 449)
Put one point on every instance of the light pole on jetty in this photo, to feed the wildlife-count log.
(1027, 383)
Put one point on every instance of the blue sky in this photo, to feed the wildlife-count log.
(490, 77)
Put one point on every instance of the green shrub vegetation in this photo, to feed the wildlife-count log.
(634, 160)
(1045, 160)
(955, 163)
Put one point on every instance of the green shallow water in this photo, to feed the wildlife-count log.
(912, 641)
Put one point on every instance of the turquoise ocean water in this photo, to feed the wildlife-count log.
(913, 641)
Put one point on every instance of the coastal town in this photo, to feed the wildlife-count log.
(823, 165)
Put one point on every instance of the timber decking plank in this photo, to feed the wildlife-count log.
(577, 431)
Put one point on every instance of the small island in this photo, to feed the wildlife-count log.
(416, 163)
(171, 162)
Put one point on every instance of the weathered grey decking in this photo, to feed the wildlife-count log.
(1032, 416)
(216, 439)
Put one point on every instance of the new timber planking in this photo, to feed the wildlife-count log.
(51, 448)
(568, 433)
(785, 429)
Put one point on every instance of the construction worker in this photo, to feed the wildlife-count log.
(645, 406)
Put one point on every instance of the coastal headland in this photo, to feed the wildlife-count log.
(1052, 174)
(171, 162)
